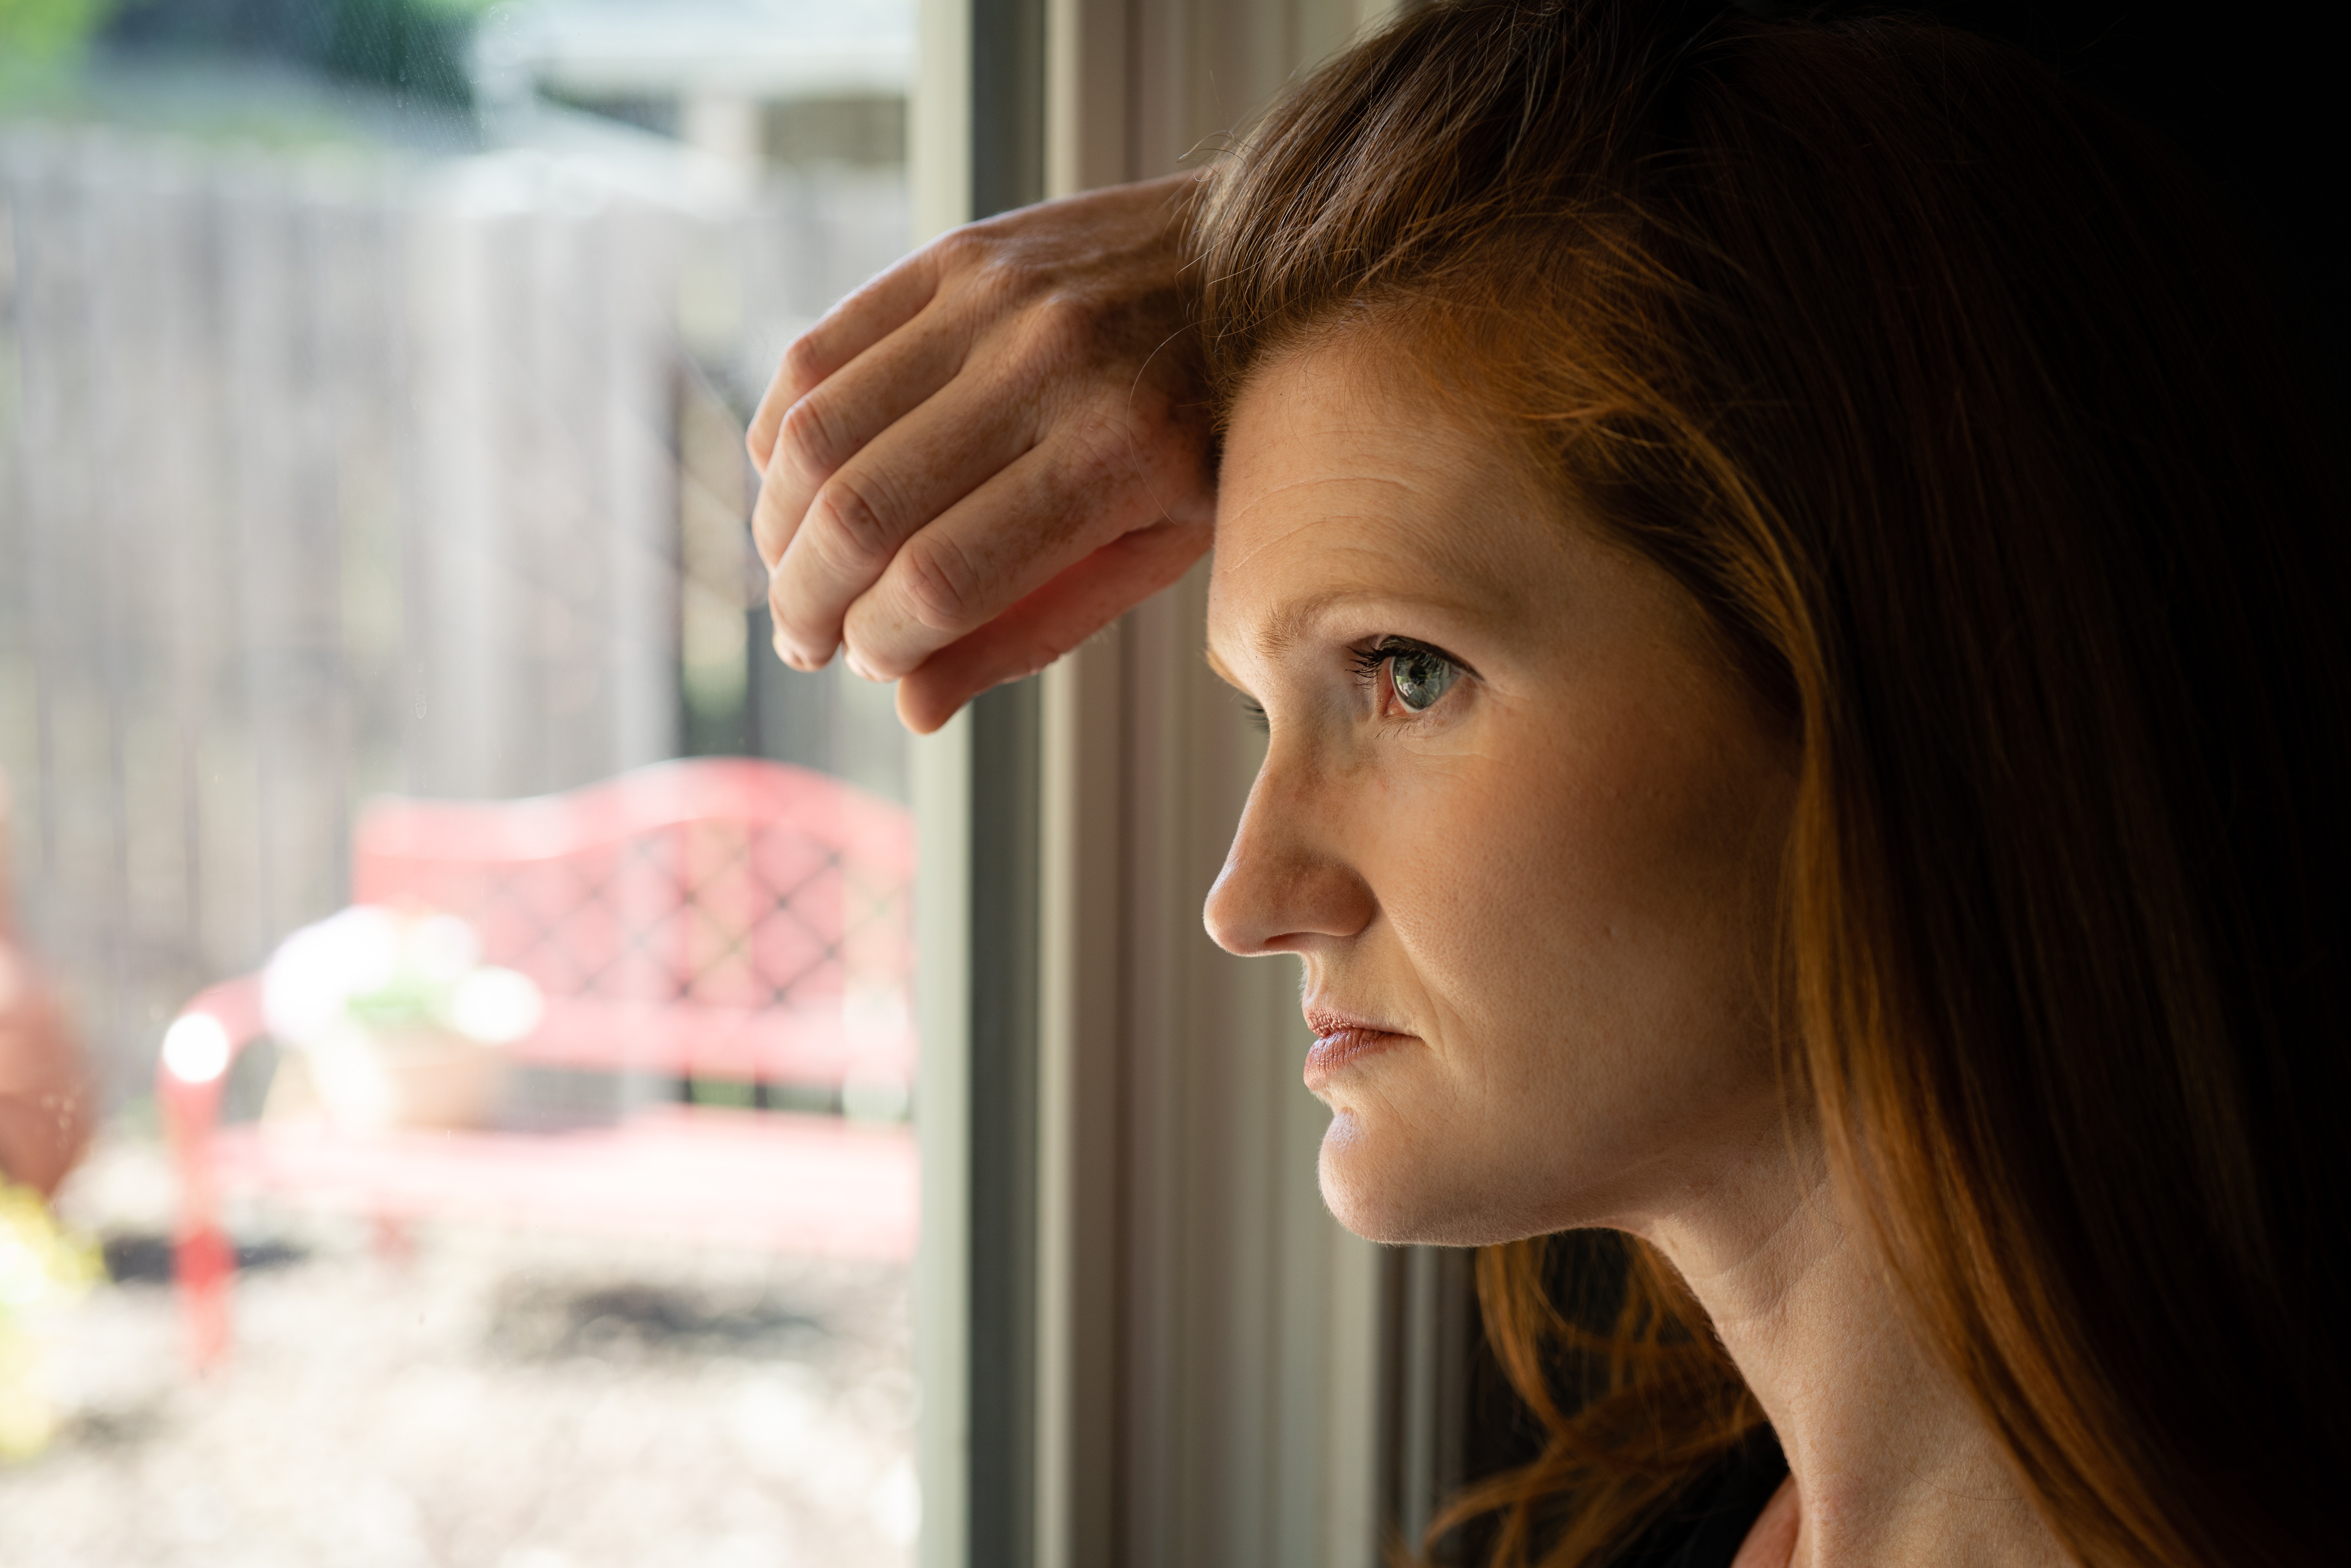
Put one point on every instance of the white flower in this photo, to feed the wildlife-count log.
(318, 969)
(495, 1006)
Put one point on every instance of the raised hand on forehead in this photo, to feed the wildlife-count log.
(989, 452)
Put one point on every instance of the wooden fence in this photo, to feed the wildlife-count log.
(323, 476)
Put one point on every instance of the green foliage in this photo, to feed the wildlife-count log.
(408, 1001)
(39, 1264)
(415, 48)
(42, 32)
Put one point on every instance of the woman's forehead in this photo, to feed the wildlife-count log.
(1339, 482)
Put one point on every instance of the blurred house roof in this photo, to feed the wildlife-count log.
(775, 50)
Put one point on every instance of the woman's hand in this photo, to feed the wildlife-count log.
(989, 453)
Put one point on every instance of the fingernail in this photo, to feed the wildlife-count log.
(857, 667)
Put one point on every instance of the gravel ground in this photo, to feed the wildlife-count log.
(475, 1399)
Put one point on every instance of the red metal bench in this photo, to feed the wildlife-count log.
(715, 918)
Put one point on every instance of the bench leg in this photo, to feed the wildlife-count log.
(203, 1265)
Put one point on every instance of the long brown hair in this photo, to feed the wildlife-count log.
(1940, 386)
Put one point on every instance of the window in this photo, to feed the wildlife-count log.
(395, 752)
(371, 381)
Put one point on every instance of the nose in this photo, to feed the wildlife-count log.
(1286, 881)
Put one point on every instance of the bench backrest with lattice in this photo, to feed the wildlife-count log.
(718, 917)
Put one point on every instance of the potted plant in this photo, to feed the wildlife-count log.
(388, 1017)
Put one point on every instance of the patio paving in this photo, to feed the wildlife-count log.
(474, 1397)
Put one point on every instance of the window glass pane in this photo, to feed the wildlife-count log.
(492, 964)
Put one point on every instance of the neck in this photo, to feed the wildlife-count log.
(1891, 1464)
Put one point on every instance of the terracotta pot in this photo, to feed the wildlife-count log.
(441, 1080)
(369, 1081)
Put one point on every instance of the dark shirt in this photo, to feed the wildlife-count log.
(1706, 1524)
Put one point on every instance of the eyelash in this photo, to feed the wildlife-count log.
(1368, 662)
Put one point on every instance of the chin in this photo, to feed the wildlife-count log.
(1385, 1196)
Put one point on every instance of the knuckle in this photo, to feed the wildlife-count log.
(969, 249)
(812, 436)
(981, 260)
(857, 521)
(1062, 326)
(994, 293)
(803, 362)
(941, 583)
(992, 268)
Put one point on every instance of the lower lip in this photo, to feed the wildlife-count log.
(1342, 1049)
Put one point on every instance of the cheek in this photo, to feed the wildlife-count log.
(1629, 857)
(1533, 883)
(1580, 926)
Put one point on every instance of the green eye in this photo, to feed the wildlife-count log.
(1420, 677)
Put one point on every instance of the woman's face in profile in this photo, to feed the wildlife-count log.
(1517, 818)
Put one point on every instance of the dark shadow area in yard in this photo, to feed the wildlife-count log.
(628, 1321)
(127, 1426)
(138, 1258)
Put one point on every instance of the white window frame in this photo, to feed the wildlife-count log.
(1222, 1373)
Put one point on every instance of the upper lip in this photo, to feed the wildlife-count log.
(1328, 1022)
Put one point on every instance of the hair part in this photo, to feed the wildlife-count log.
(1940, 387)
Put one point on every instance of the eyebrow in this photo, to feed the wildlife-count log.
(1288, 624)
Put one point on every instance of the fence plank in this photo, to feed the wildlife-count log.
(325, 475)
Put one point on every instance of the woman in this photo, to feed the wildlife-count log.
(1796, 627)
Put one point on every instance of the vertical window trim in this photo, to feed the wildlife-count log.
(1093, 101)
(976, 148)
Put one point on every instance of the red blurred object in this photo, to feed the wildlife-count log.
(45, 1099)
(716, 917)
